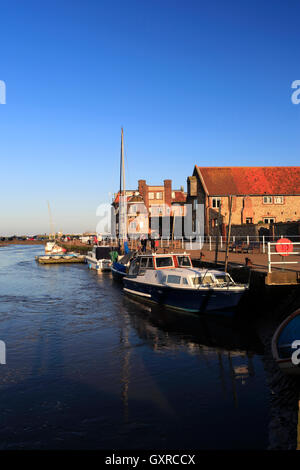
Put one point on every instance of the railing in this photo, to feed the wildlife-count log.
(241, 243)
(283, 254)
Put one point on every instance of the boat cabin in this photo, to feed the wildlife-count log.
(176, 269)
(195, 278)
(159, 261)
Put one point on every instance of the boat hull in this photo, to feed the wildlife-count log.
(191, 300)
(98, 265)
(286, 334)
(117, 275)
(48, 259)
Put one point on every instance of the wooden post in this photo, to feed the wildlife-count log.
(228, 235)
(218, 235)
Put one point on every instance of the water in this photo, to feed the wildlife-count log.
(88, 368)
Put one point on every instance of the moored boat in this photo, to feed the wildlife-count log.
(171, 280)
(99, 258)
(52, 248)
(59, 259)
(119, 268)
(286, 344)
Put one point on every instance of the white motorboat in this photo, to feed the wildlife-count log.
(99, 258)
(170, 280)
(52, 248)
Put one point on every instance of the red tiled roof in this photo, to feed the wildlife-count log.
(179, 196)
(248, 180)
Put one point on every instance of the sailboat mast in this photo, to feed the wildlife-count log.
(51, 222)
(122, 205)
(122, 166)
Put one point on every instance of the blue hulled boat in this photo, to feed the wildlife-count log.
(119, 269)
(286, 344)
(171, 280)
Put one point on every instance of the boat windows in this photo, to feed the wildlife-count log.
(144, 262)
(150, 263)
(172, 279)
(223, 278)
(185, 281)
(164, 262)
(206, 279)
(184, 261)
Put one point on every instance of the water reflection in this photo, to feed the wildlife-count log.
(88, 367)
(229, 339)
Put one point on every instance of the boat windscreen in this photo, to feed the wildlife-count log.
(198, 280)
(184, 261)
(223, 278)
(164, 261)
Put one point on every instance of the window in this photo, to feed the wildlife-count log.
(151, 195)
(224, 278)
(269, 220)
(184, 261)
(202, 280)
(185, 281)
(159, 196)
(249, 220)
(150, 263)
(278, 199)
(144, 262)
(268, 200)
(156, 210)
(216, 202)
(164, 261)
(207, 279)
(172, 279)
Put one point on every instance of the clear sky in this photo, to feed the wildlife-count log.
(206, 82)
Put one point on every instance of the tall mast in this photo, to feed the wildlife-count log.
(51, 222)
(122, 166)
(122, 204)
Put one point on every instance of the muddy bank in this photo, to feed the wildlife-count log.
(22, 242)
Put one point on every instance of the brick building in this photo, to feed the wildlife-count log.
(260, 195)
(152, 207)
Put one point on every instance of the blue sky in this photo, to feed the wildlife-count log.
(190, 82)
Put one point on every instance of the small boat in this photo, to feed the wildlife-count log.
(52, 248)
(171, 280)
(58, 259)
(119, 269)
(99, 258)
(286, 344)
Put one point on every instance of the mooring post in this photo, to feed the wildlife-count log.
(228, 235)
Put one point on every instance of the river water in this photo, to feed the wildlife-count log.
(88, 368)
